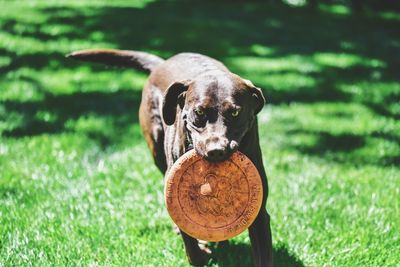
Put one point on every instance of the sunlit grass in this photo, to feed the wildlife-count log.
(343, 60)
(32, 45)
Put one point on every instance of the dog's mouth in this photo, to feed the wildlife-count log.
(218, 154)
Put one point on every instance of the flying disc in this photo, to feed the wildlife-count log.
(213, 201)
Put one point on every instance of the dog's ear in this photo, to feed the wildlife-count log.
(173, 96)
(257, 96)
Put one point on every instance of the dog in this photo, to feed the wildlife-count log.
(192, 101)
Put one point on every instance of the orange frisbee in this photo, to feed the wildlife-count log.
(213, 201)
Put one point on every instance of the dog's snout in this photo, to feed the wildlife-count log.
(216, 154)
(217, 149)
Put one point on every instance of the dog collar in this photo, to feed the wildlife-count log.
(188, 139)
(189, 147)
(188, 142)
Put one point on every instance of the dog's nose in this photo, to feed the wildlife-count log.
(216, 154)
(217, 148)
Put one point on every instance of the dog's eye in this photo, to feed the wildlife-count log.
(199, 112)
(235, 113)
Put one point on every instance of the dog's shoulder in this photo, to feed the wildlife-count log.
(197, 60)
(185, 66)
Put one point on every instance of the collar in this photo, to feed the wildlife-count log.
(188, 139)
(188, 143)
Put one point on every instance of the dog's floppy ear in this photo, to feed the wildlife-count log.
(174, 95)
(257, 95)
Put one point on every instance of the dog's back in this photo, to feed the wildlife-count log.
(184, 66)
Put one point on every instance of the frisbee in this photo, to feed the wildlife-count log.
(213, 201)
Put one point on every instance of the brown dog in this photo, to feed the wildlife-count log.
(193, 101)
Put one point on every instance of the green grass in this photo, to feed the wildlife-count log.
(78, 186)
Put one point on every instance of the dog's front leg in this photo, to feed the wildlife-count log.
(259, 230)
(196, 255)
(261, 241)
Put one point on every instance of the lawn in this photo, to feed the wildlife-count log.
(78, 186)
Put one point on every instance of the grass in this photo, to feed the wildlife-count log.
(77, 183)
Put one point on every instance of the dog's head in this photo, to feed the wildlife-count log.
(217, 111)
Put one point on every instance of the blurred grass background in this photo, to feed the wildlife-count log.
(78, 186)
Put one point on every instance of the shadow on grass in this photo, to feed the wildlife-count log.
(340, 147)
(327, 142)
(239, 254)
(54, 113)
